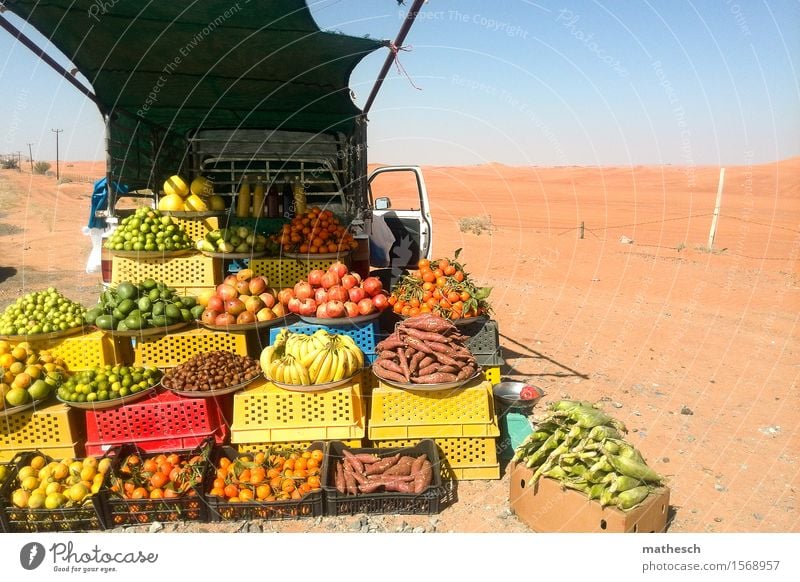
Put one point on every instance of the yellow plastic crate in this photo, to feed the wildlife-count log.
(83, 352)
(54, 429)
(463, 459)
(257, 447)
(266, 413)
(403, 414)
(175, 348)
(492, 374)
(285, 272)
(189, 271)
(197, 228)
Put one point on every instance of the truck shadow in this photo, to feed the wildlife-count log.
(521, 351)
(6, 273)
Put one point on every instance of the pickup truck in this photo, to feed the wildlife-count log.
(226, 89)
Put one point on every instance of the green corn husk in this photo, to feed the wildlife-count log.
(607, 498)
(610, 478)
(603, 432)
(623, 483)
(633, 468)
(611, 447)
(577, 470)
(596, 491)
(622, 448)
(587, 417)
(550, 462)
(542, 452)
(577, 484)
(555, 473)
(632, 497)
(564, 405)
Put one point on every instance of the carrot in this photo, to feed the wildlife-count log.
(340, 483)
(382, 465)
(401, 356)
(435, 378)
(381, 372)
(357, 465)
(424, 477)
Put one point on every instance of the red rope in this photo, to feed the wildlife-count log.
(400, 68)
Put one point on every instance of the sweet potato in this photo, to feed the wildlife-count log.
(426, 361)
(370, 487)
(349, 457)
(446, 360)
(340, 483)
(442, 348)
(367, 458)
(360, 479)
(418, 344)
(430, 369)
(382, 465)
(387, 355)
(399, 486)
(428, 322)
(413, 365)
(350, 483)
(426, 336)
(392, 342)
(402, 467)
(424, 477)
(435, 378)
(391, 365)
(401, 357)
(417, 464)
(381, 372)
(466, 372)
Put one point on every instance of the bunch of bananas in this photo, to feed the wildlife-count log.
(321, 358)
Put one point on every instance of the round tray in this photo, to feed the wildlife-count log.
(252, 255)
(429, 387)
(147, 332)
(23, 408)
(30, 337)
(247, 326)
(106, 404)
(213, 393)
(152, 254)
(310, 256)
(508, 394)
(313, 387)
(334, 321)
(193, 214)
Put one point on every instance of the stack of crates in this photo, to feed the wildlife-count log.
(461, 421)
(189, 275)
(484, 343)
(285, 271)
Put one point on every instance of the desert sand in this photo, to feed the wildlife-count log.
(695, 349)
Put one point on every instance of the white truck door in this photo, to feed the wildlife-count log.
(402, 231)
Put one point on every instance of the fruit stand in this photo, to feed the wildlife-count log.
(279, 392)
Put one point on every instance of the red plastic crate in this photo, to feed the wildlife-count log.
(164, 422)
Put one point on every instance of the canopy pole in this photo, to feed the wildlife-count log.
(401, 36)
(16, 33)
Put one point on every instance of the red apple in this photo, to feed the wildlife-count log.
(242, 287)
(225, 292)
(365, 306)
(307, 307)
(372, 285)
(209, 316)
(215, 303)
(339, 268)
(356, 294)
(225, 319)
(381, 301)
(335, 308)
(322, 311)
(265, 314)
(284, 295)
(315, 277)
(234, 306)
(268, 299)
(351, 309)
(246, 317)
(330, 279)
(258, 285)
(337, 293)
(253, 304)
(303, 290)
(294, 305)
(320, 295)
(348, 281)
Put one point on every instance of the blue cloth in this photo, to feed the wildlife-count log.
(100, 201)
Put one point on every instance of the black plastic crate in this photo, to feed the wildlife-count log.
(483, 336)
(495, 359)
(87, 517)
(310, 505)
(426, 503)
(189, 506)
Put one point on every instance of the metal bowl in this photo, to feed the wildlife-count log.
(508, 393)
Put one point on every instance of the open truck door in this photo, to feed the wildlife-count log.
(401, 232)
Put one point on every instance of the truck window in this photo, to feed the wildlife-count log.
(399, 187)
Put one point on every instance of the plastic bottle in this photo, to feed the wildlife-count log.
(243, 200)
(288, 199)
(258, 199)
(299, 193)
(273, 202)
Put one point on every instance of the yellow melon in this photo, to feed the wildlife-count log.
(195, 204)
(171, 203)
(202, 186)
(216, 202)
(176, 185)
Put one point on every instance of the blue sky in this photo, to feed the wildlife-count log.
(522, 83)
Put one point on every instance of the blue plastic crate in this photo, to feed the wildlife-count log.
(363, 334)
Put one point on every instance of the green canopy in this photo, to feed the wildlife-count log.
(209, 63)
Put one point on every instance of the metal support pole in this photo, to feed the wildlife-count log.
(58, 173)
(30, 153)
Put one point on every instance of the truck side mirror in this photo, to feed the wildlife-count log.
(383, 204)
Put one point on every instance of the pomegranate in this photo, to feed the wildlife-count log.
(365, 306)
(335, 308)
(372, 285)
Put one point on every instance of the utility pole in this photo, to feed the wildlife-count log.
(713, 231)
(30, 153)
(57, 131)
(19, 160)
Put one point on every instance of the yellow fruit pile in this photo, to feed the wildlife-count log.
(195, 197)
(57, 484)
(321, 358)
(26, 375)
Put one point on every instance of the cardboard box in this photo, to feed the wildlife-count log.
(546, 507)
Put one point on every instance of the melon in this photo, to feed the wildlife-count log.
(195, 204)
(216, 202)
(176, 185)
(171, 203)
(202, 186)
